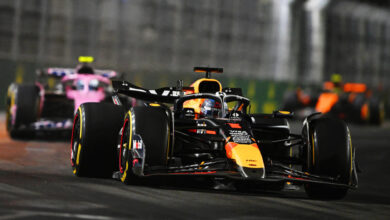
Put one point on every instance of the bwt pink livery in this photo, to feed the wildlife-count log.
(49, 104)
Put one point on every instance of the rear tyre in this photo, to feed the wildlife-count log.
(93, 145)
(153, 125)
(329, 153)
(22, 106)
(358, 112)
(377, 111)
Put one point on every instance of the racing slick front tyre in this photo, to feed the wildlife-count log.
(22, 109)
(93, 145)
(329, 153)
(152, 124)
(126, 158)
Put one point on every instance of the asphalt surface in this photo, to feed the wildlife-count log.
(36, 182)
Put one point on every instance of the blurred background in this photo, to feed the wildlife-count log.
(265, 46)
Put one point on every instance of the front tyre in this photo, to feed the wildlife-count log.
(329, 153)
(145, 141)
(126, 158)
(94, 136)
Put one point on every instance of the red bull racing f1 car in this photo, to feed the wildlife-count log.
(223, 139)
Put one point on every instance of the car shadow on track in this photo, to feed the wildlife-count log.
(204, 185)
(51, 182)
(210, 185)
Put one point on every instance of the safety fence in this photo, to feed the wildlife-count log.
(262, 44)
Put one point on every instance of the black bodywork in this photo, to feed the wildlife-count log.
(199, 145)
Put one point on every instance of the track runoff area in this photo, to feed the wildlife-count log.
(36, 182)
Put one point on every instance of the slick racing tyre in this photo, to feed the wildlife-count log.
(22, 108)
(151, 125)
(329, 153)
(126, 158)
(361, 111)
(377, 111)
(93, 145)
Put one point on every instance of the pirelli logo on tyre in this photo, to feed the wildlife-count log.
(137, 144)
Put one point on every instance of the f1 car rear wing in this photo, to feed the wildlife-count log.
(208, 70)
(61, 72)
(164, 95)
(355, 87)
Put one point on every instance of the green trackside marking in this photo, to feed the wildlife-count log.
(232, 83)
(254, 107)
(251, 89)
(251, 94)
(291, 87)
(19, 74)
(271, 91)
(270, 105)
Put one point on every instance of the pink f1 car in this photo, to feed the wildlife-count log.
(50, 103)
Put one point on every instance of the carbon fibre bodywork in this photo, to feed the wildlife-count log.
(236, 144)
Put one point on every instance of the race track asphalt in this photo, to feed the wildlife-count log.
(36, 182)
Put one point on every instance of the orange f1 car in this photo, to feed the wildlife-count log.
(177, 134)
(352, 102)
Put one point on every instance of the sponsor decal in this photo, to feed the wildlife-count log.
(234, 125)
(235, 115)
(125, 84)
(201, 131)
(46, 124)
(137, 144)
(171, 93)
(240, 137)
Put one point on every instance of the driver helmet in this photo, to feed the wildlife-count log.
(210, 108)
(84, 69)
(337, 81)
